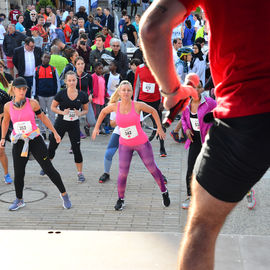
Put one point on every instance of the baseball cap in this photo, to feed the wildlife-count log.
(192, 79)
(34, 28)
(20, 82)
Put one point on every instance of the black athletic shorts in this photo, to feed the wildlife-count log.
(235, 156)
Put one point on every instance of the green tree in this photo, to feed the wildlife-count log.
(43, 3)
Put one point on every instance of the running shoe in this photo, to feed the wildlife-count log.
(163, 153)
(66, 201)
(81, 178)
(186, 203)
(165, 179)
(120, 204)
(102, 131)
(87, 131)
(107, 130)
(251, 199)
(42, 173)
(166, 199)
(8, 179)
(82, 136)
(104, 177)
(175, 136)
(70, 151)
(16, 205)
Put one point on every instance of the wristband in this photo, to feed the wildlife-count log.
(175, 91)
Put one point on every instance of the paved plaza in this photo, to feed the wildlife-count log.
(93, 207)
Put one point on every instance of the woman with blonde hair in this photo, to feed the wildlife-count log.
(132, 138)
(25, 137)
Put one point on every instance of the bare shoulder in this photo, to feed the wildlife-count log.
(113, 106)
(34, 104)
(139, 106)
(6, 106)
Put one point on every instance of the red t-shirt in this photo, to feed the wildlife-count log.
(67, 29)
(13, 15)
(146, 84)
(239, 57)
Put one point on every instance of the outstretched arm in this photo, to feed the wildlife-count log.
(141, 106)
(45, 120)
(161, 17)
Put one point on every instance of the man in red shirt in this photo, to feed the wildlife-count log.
(13, 14)
(146, 90)
(42, 32)
(236, 152)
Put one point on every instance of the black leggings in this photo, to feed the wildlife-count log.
(73, 130)
(193, 152)
(39, 150)
(133, 7)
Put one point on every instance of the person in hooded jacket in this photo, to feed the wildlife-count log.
(198, 64)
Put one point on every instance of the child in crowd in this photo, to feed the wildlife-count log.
(134, 63)
(37, 38)
(113, 78)
(99, 90)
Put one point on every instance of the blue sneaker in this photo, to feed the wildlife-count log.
(42, 173)
(8, 179)
(66, 201)
(107, 130)
(81, 178)
(16, 205)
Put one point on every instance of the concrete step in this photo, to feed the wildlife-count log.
(100, 250)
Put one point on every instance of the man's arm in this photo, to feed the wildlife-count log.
(161, 17)
(135, 37)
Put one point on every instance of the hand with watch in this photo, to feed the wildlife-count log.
(176, 101)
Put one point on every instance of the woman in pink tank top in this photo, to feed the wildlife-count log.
(26, 138)
(132, 138)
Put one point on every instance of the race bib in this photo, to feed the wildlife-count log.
(195, 124)
(23, 127)
(128, 132)
(148, 87)
(71, 116)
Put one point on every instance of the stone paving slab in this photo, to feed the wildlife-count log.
(104, 250)
(93, 202)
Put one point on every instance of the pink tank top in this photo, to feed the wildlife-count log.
(131, 132)
(23, 119)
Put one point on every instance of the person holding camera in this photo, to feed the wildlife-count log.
(83, 50)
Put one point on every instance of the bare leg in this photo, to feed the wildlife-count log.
(4, 160)
(206, 217)
(79, 166)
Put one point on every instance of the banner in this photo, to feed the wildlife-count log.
(82, 3)
(94, 3)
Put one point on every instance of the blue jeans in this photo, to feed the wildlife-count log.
(29, 81)
(110, 151)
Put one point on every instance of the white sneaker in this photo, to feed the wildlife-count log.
(185, 204)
